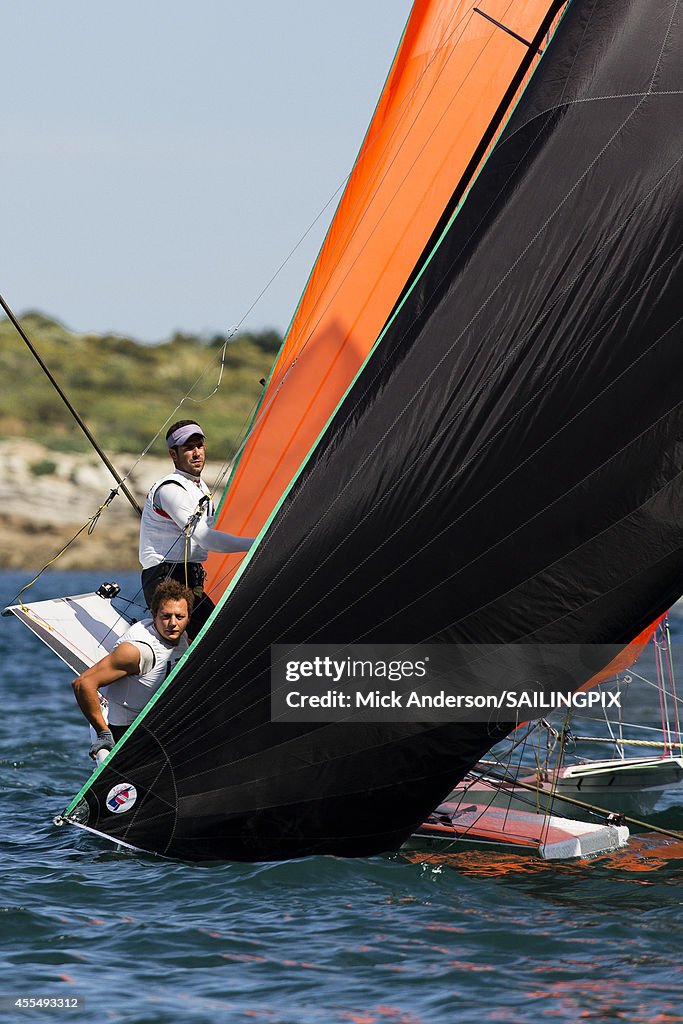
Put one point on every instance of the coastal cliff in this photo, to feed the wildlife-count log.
(46, 497)
(52, 481)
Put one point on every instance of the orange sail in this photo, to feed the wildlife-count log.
(455, 74)
(625, 658)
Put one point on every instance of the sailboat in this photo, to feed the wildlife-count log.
(472, 434)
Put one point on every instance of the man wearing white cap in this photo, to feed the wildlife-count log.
(176, 530)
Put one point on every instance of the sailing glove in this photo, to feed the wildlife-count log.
(104, 741)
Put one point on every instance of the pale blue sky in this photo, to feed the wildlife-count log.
(159, 160)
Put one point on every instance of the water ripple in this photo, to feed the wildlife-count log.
(415, 939)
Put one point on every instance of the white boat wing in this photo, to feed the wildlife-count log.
(80, 629)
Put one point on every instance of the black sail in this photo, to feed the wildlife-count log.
(507, 467)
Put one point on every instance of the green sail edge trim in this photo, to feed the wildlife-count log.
(264, 529)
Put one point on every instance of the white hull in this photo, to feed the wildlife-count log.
(456, 824)
(630, 786)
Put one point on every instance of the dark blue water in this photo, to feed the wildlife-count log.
(471, 937)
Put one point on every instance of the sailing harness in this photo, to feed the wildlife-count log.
(167, 546)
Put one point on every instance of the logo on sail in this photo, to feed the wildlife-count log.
(121, 798)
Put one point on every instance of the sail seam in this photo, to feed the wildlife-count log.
(566, 104)
(546, 568)
(262, 413)
(590, 540)
(390, 320)
(531, 519)
(583, 269)
(417, 395)
(305, 328)
(417, 729)
(227, 637)
(511, 533)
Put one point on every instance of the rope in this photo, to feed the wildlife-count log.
(88, 525)
(655, 744)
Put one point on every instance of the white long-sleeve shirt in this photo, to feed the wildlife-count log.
(170, 505)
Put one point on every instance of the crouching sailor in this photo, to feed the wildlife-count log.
(176, 530)
(137, 666)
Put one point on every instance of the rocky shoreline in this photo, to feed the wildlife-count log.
(46, 497)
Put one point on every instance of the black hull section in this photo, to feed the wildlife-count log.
(257, 820)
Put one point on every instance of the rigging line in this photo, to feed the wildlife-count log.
(554, 774)
(460, 188)
(238, 447)
(309, 331)
(186, 397)
(672, 675)
(630, 725)
(367, 191)
(79, 420)
(479, 154)
(477, 157)
(663, 659)
(603, 811)
(358, 638)
(287, 258)
(540, 512)
(655, 744)
(474, 317)
(610, 730)
(546, 312)
(655, 686)
(663, 703)
(197, 401)
(88, 525)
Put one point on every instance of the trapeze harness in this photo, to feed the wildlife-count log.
(164, 544)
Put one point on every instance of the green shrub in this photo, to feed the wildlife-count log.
(43, 467)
